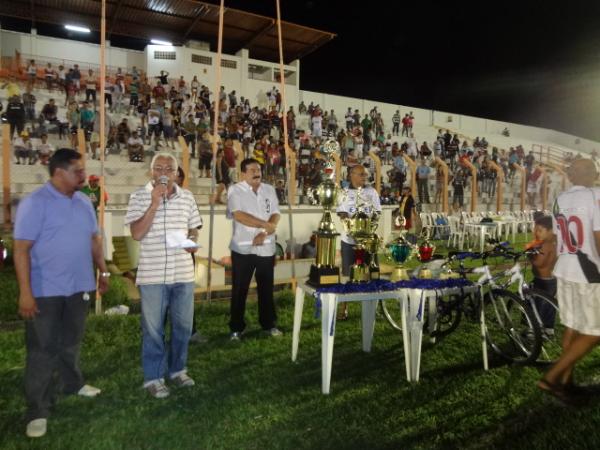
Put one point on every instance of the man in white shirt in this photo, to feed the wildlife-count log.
(161, 215)
(577, 226)
(254, 209)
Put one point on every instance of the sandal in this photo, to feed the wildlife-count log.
(560, 393)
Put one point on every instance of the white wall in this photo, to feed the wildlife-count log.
(65, 50)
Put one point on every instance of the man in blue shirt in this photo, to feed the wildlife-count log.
(57, 243)
(423, 171)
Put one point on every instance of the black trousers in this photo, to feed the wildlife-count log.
(243, 267)
(53, 340)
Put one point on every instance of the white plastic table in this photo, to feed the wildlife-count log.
(329, 304)
(482, 229)
(412, 302)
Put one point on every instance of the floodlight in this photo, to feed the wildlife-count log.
(77, 28)
(159, 42)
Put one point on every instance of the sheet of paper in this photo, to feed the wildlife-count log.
(178, 239)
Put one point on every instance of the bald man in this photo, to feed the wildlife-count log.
(576, 223)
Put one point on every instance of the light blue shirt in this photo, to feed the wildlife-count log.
(61, 229)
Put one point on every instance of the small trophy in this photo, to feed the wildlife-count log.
(324, 270)
(426, 250)
(399, 250)
(361, 227)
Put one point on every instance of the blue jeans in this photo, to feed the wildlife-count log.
(157, 359)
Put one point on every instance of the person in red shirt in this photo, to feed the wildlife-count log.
(229, 154)
(158, 91)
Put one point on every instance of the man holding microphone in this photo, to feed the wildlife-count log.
(254, 208)
(164, 218)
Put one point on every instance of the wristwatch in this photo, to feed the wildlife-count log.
(105, 274)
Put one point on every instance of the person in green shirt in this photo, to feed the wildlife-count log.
(92, 190)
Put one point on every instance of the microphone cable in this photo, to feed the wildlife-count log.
(164, 180)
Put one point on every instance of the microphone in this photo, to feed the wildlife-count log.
(164, 180)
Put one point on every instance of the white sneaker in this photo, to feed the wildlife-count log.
(36, 428)
(158, 389)
(183, 380)
(275, 332)
(88, 391)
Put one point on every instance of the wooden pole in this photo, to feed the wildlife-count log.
(444, 167)
(81, 145)
(563, 175)
(6, 161)
(473, 170)
(214, 148)
(413, 174)
(102, 134)
(185, 162)
(291, 182)
(523, 184)
(499, 185)
(377, 161)
(544, 192)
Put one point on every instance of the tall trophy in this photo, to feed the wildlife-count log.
(426, 250)
(399, 250)
(361, 225)
(324, 270)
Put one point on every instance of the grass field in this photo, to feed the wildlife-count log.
(249, 394)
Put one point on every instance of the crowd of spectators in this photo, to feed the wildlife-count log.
(145, 113)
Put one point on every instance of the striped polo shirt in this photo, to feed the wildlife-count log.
(157, 263)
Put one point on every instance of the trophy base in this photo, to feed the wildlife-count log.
(399, 273)
(359, 273)
(374, 273)
(323, 276)
(425, 274)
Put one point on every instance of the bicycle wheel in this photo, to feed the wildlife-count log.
(545, 311)
(449, 314)
(392, 312)
(510, 329)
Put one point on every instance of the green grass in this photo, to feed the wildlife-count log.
(250, 395)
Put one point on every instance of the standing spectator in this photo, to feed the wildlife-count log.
(76, 78)
(15, 115)
(423, 171)
(165, 273)
(406, 207)
(195, 84)
(93, 191)
(189, 133)
(332, 125)
(163, 78)
(29, 101)
(405, 125)
(49, 76)
(578, 278)
(31, 74)
(221, 177)
(349, 119)
(254, 209)
(205, 154)
(458, 184)
(90, 87)
(55, 284)
(396, 123)
(108, 91)
(134, 87)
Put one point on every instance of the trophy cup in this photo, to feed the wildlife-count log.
(324, 271)
(426, 250)
(361, 226)
(399, 250)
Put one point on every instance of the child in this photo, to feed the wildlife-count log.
(542, 265)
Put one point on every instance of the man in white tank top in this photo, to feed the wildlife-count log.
(576, 223)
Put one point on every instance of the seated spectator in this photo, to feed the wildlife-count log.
(135, 148)
(22, 149)
(309, 249)
(49, 112)
(44, 150)
(123, 132)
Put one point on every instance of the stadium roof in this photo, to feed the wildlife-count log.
(176, 21)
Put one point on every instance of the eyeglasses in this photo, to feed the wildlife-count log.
(163, 169)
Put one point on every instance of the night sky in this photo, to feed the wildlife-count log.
(530, 62)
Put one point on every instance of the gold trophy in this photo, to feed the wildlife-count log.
(361, 226)
(324, 270)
